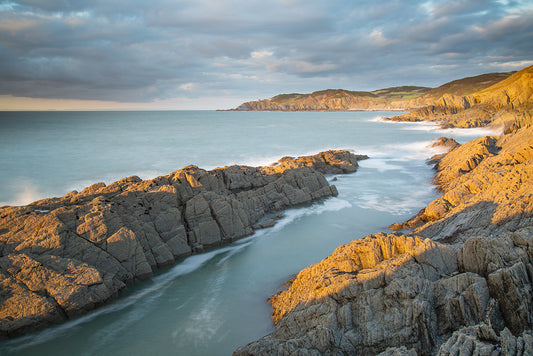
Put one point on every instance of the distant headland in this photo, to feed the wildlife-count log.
(396, 98)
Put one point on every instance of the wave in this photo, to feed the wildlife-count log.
(474, 132)
(378, 119)
(406, 202)
(258, 161)
(454, 131)
(24, 191)
(291, 215)
(380, 157)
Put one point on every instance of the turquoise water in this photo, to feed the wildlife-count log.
(209, 304)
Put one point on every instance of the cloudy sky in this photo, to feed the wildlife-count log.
(194, 54)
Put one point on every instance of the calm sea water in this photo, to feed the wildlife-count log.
(210, 304)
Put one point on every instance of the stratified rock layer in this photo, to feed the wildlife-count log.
(61, 257)
(460, 284)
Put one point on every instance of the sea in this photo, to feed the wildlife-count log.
(214, 302)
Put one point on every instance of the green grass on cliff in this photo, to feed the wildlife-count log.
(397, 93)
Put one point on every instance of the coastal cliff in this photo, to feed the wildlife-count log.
(338, 100)
(62, 257)
(396, 98)
(456, 279)
(507, 104)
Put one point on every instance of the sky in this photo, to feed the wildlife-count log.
(213, 54)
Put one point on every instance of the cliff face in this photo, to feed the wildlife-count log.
(461, 283)
(61, 257)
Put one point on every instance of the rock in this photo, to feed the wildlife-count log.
(363, 298)
(474, 340)
(398, 294)
(486, 185)
(61, 257)
(447, 144)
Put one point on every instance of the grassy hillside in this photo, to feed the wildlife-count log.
(403, 97)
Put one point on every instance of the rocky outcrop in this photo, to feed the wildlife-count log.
(487, 187)
(61, 257)
(391, 291)
(460, 283)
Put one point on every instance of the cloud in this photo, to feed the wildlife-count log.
(138, 51)
(261, 55)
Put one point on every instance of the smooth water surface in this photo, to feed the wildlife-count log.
(209, 304)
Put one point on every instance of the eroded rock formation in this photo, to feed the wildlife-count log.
(61, 257)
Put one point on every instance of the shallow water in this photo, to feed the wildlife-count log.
(209, 304)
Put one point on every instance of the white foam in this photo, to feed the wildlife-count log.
(398, 203)
(468, 132)
(473, 132)
(378, 119)
(380, 157)
(25, 192)
(380, 164)
(331, 204)
(203, 322)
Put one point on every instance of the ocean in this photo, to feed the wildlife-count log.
(211, 303)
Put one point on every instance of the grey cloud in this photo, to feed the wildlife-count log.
(141, 51)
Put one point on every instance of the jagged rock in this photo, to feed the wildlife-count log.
(63, 256)
(364, 298)
(384, 292)
(479, 340)
(487, 189)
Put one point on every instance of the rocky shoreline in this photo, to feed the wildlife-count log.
(460, 283)
(62, 257)
(458, 280)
